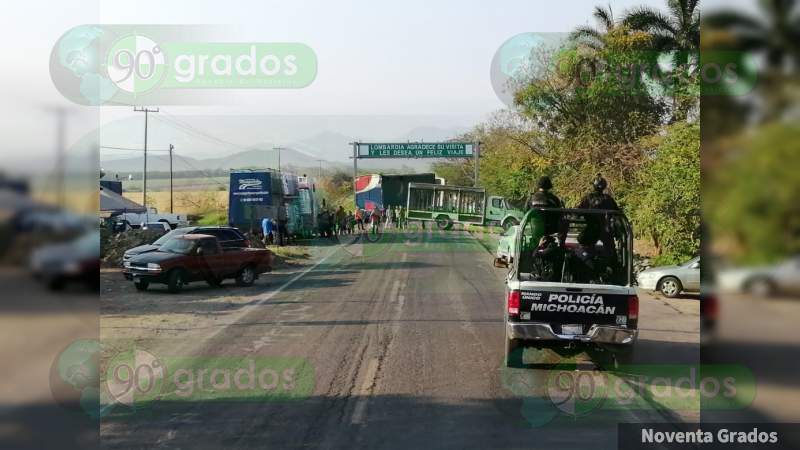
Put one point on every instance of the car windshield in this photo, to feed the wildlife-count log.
(575, 246)
(178, 245)
(170, 235)
(691, 261)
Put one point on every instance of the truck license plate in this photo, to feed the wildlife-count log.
(571, 330)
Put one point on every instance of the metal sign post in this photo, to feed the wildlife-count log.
(355, 170)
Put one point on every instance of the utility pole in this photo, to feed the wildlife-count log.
(171, 147)
(279, 156)
(146, 111)
(60, 143)
(319, 172)
(477, 150)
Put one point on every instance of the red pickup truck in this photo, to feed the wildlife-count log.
(196, 257)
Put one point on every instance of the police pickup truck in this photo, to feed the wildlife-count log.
(570, 283)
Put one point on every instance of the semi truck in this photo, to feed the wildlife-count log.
(384, 191)
(447, 205)
(257, 194)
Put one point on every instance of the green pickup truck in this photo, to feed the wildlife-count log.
(447, 205)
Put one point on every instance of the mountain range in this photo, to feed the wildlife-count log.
(333, 149)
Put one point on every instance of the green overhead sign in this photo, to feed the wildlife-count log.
(416, 150)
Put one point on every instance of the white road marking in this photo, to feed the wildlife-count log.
(366, 387)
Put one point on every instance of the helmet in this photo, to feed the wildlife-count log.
(600, 184)
(544, 183)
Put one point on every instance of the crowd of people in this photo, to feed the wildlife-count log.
(339, 222)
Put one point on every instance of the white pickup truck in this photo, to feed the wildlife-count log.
(135, 220)
(570, 283)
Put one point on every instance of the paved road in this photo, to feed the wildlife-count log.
(405, 339)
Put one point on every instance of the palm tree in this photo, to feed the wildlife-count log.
(678, 30)
(593, 37)
(774, 33)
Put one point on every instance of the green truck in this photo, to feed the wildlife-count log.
(447, 205)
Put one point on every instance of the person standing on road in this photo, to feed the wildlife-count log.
(401, 217)
(282, 219)
(267, 229)
(376, 219)
(393, 216)
(340, 221)
(359, 218)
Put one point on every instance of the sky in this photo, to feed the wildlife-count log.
(425, 59)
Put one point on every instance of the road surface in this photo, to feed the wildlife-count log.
(405, 338)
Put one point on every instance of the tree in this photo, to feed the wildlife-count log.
(665, 207)
(677, 31)
(751, 200)
(597, 95)
(594, 38)
(775, 34)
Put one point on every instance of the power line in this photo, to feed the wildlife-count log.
(109, 147)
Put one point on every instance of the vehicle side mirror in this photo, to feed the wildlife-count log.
(500, 263)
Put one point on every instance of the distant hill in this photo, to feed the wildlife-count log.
(331, 147)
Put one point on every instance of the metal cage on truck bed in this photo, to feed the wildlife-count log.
(456, 203)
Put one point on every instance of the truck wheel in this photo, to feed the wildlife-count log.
(510, 222)
(513, 354)
(141, 285)
(175, 282)
(444, 222)
(670, 286)
(246, 277)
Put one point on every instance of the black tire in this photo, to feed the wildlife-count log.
(444, 223)
(760, 287)
(670, 287)
(141, 285)
(246, 276)
(510, 222)
(513, 353)
(175, 281)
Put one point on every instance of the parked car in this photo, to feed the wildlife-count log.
(156, 226)
(505, 247)
(783, 277)
(196, 257)
(73, 261)
(135, 220)
(229, 237)
(671, 281)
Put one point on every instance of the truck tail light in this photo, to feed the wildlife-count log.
(513, 303)
(633, 307)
